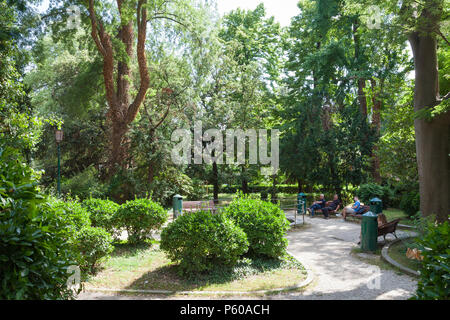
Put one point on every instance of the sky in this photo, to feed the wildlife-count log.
(282, 10)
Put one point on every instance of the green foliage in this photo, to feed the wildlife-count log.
(34, 251)
(434, 283)
(75, 215)
(290, 189)
(410, 203)
(170, 182)
(140, 217)
(102, 214)
(93, 244)
(371, 190)
(84, 185)
(201, 240)
(19, 128)
(264, 223)
(397, 144)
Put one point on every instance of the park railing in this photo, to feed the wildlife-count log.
(290, 205)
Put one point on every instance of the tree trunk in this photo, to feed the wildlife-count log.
(215, 180)
(362, 97)
(244, 181)
(121, 112)
(299, 186)
(376, 123)
(118, 145)
(432, 137)
(273, 191)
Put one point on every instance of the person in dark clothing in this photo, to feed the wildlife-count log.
(333, 206)
(319, 204)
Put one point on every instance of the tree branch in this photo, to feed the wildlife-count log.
(95, 31)
(442, 36)
(142, 62)
(104, 45)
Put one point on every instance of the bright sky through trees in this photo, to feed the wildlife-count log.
(282, 10)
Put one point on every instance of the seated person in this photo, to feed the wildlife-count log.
(319, 204)
(353, 209)
(381, 219)
(332, 207)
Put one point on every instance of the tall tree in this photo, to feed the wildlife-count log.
(422, 25)
(119, 31)
(432, 136)
(122, 111)
(257, 52)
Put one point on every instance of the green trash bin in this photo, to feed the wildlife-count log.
(376, 205)
(177, 205)
(301, 203)
(369, 232)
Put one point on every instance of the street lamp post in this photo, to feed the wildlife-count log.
(59, 137)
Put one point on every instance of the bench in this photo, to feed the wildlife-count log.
(192, 206)
(387, 228)
(359, 215)
(327, 204)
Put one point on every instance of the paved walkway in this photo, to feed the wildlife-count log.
(326, 246)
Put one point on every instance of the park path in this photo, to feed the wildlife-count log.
(325, 247)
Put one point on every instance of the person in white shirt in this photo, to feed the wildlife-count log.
(353, 209)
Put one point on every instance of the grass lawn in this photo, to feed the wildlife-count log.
(392, 214)
(147, 268)
(398, 253)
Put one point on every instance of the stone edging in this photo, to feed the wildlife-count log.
(387, 258)
(301, 285)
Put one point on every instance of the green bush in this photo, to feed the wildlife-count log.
(170, 182)
(102, 214)
(140, 217)
(289, 189)
(368, 191)
(76, 216)
(84, 185)
(410, 203)
(93, 244)
(371, 190)
(34, 251)
(200, 240)
(264, 223)
(434, 283)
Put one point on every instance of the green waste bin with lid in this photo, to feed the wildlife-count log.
(376, 205)
(369, 232)
(301, 203)
(177, 205)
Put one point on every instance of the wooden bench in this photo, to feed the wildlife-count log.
(327, 204)
(192, 206)
(359, 215)
(387, 228)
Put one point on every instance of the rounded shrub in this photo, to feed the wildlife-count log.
(200, 240)
(140, 217)
(371, 190)
(76, 216)
(264, 223)
(102, 214)
(93, 244)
